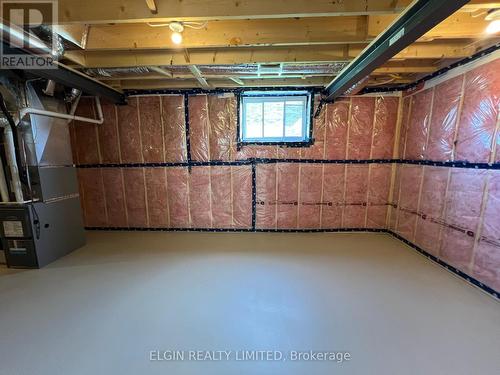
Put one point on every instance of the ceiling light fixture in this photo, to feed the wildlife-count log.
(177, 28)
(494, 26)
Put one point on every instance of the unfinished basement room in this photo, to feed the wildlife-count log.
(251, 187)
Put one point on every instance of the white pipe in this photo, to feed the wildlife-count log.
(11, 161)
(4, 191)
(41, 112)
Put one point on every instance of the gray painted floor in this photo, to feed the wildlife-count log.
(103, 308)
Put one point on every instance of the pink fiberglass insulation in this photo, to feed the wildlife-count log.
(463, 209)
(109, 145)
(222, 198)
(178, 197)
(479, 115)
(135, 191)
(336, 118)
(317, 150)
(405, 116)
(174, 128)
(394, 200)
(487, 254)
(222, 131)
(409, 189)
(130, 132)
(114, 196)
(378, 195)
(384, 127)
(200, 203)
(360, 128)
(151, 129)
(355, 196)
(92, 197)
(87, 146)
(446, 107)
(283, 152)
(287, 195)
(431, 209)
(310, 195)
(418, 125)
(157, 197)
(242, 196)
(266, 200)
(212, 121)
(199, 126)
(333, 195)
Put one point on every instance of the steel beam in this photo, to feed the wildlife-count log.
(75, 79)
(418, 19)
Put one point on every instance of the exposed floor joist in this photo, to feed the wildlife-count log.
(129, 11)
(323, 30)
(434, 50)
(187, 83)
(281, 32)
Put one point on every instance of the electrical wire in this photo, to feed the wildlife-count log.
(190, 24)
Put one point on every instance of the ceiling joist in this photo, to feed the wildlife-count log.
(433, 50)
(130, 11)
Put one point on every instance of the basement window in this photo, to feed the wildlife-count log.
(275, 117)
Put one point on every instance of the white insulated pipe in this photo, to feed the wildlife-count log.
(41, 112)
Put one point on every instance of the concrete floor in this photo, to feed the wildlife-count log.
(103, 308)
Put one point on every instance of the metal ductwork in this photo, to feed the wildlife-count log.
(58, 72)
(41, 218)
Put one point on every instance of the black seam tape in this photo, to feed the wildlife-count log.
(188, 138)
(254, 195)
(251, 161)
(234, 90)
(442, 263)
(266, 230)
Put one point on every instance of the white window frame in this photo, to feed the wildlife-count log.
(276, 97)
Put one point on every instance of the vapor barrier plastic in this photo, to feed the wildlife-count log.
(455, 120)
(323, 196)
(206, 197)
(152, 129)
(452, 213)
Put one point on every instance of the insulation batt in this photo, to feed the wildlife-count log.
(452, 213)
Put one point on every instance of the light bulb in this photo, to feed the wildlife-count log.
(176, 38)
(493, 27)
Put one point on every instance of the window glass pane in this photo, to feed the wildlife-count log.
(253, 120)
(273, 119)
(294, 119)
